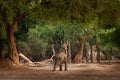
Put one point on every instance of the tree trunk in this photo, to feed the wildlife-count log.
(86, 52)
(69, 53)
(13, 53)
(98, 52)
(78, 57)
(10, 28)
(110, 57)
(91, 53)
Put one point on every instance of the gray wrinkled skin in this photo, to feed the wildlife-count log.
(60, 59)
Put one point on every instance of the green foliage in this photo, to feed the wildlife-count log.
(2, 33)
(108, 12)
(116, 36)
(33, 48)
(74, 31)
(64, 10)
(23, 28)
(10, 8)
(48, 33)
(41, 32)
(59, 34)
(3, 41)
(37, 48)
(73, 18)
(24, 48)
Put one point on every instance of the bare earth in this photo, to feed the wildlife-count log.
(75, 72)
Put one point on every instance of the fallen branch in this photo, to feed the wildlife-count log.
(53, 49)
(25, 58)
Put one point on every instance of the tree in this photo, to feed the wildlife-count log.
(11, 13)
(67, 11)
(73, 33)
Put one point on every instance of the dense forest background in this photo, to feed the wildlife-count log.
(90, 27)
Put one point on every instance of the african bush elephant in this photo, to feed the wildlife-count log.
(60, 59)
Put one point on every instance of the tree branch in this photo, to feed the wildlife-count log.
(17, 19)
(53, 51)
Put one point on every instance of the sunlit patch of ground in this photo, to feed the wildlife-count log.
(82, 66)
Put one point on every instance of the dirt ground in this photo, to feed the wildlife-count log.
(75, 72)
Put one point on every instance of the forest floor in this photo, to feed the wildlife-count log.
(83, 71)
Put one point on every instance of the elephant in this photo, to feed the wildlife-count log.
(60, 59)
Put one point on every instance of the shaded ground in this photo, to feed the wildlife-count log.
(75, 72)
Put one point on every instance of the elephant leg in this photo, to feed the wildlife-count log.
(65, 66)
(61, 67)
